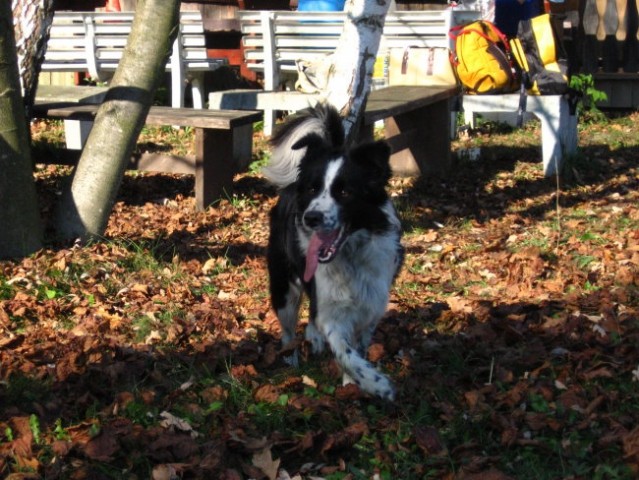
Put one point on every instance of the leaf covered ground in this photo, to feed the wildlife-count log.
(512, 333)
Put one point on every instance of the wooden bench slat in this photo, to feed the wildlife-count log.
(158, 115)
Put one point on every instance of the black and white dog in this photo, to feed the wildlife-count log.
(335, 235)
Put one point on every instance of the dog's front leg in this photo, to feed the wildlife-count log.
(356, 369)
(314, 337)
(287, 302)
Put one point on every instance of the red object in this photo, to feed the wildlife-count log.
(113, 6)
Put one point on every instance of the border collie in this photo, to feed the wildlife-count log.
(334, 235)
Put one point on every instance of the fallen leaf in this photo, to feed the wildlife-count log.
(429, 440)
(264, 461)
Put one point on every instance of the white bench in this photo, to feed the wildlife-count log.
(558, 122)
(95, 41)
(274, 40)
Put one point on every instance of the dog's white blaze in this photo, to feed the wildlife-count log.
(325, 202)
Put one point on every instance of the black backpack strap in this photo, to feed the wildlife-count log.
(573, 96)
(522, 105)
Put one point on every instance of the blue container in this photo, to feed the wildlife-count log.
(321, 5)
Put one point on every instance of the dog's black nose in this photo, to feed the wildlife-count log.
(313, 219)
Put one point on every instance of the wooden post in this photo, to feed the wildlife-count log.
(213, 175)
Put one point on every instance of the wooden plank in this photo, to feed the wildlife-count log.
(60, 93)
(187, 117)
(400, 99)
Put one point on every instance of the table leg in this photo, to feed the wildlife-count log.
(215, 165)
(420, 140)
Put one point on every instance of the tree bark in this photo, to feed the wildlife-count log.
(85, 207)
(32, 21)
(20, 224)
(350, 77)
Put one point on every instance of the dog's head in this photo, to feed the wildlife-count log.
(339, 191)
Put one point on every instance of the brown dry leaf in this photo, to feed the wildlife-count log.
(169, 446)
(600, 372)
(376, 352)
(429, 441)
(346, 438)
(61, 447)
(348, 392)
(140, 288)
(214, 393)
(474, 398)
(459, 304)
(264, 461)
(243, 371)
(168, 471)
(266, 393)
(631, 445)
(102, 447)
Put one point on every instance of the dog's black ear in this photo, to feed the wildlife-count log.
(374, 158)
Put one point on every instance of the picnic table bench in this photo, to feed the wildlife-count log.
(274, 40)
(416, 125)
(220, 144)
(416, 121)
(95, 42)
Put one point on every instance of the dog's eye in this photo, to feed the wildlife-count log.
(344, 193)
(312, 190)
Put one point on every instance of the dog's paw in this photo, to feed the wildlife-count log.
(293, 359)
(382, 387)
(378, 385)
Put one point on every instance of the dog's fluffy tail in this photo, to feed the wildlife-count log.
(321, 121)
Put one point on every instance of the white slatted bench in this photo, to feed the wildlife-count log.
(220, 148)
(558, 122)
(95, 41)
(274, 40)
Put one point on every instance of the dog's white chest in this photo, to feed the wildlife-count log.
(361, 275)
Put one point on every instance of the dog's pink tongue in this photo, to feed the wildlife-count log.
(312, 257)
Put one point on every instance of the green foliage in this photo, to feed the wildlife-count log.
(59, 431)
(589, 97)
(6, 290)
(34, 425)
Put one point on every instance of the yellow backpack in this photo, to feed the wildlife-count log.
(482, 59)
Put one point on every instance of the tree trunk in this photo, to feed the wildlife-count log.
(85, 207)
(32, 21)
(20, 225)
(350, 78)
